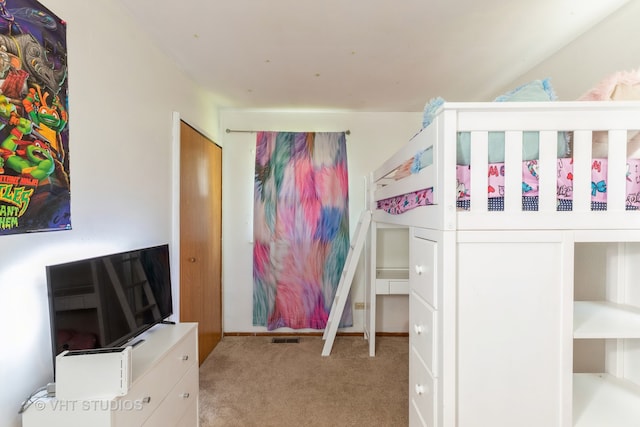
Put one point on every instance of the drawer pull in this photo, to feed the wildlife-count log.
(146, 399)
(185, 357)
(419, 270)
(185, 395)
(419, 329)
(419, 389)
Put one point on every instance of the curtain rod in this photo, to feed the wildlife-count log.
(348, 132)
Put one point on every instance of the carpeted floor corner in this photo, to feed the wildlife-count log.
(249, 381)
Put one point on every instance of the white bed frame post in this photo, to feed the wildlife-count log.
(445, 177)
(370, 275)
(370, 291)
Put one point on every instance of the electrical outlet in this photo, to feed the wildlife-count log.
(359, 306)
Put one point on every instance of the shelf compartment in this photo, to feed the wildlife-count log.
(604, 400)
(603, 319)
(393, 273)
(392, 281)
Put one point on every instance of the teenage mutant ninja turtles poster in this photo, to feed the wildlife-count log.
(34, 139)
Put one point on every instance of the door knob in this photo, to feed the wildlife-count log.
(192, 259)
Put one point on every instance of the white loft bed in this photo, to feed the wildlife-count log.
(493, 294)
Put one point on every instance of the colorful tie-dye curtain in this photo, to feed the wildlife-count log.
(301, 228)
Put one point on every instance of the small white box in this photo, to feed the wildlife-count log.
(93, 374)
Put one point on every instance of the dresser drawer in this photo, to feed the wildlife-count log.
(422, 332)
(176, 402)
(423, 274)
(150, 389)
(423, 389)
(191, 416)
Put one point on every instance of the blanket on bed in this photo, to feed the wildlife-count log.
(530, 179)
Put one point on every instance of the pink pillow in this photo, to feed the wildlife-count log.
(619, 86)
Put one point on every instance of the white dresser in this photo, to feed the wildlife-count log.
(423, 333)
(163, 393)
(524, 328)
(487, 340)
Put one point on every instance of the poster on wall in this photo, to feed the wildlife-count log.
(34, 121)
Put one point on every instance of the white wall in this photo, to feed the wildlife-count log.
(374, 136)
(608, 47)
(122, 95)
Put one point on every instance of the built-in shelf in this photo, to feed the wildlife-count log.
(388, 277)
(601, 400)
(603, 319)
(393, 273)
(392, 281)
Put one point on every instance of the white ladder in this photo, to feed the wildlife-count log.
(344, 286)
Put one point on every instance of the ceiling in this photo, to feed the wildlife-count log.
(363, 55)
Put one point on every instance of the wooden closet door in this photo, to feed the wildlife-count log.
(201, 237)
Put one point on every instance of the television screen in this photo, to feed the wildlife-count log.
(107, 300)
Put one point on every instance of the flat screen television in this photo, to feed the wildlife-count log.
(106, 301)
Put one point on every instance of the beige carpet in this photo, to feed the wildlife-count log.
(249, 381)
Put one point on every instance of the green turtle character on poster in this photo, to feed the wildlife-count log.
(34, 119)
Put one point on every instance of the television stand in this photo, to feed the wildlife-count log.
(164, 388)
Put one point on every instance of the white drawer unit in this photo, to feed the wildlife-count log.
(422, 324)
(151, 387)
(422, 273)
(423, 399)
(163, 393)
(424, 363)
(176, 402)
(474, 328)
